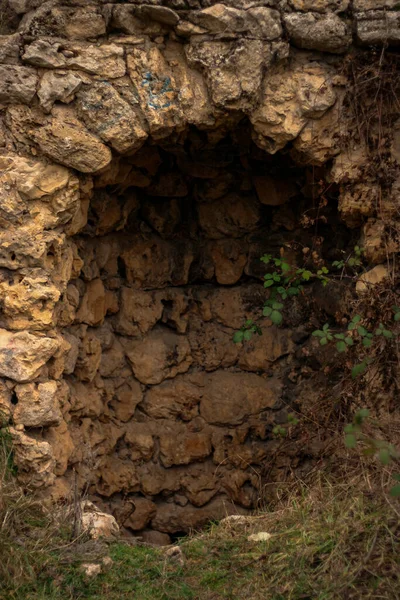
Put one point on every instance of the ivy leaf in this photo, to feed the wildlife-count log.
(341, 346)
(384, 456)
(276, 317)
(285, 267)
(367, 342)
(387, 334)
(238, 337)
(362, 331)
(396, 477)
(397, 316)
(268, 283)
(349, 341)
(318, 333)
(323, 341)
(248, 323)
(248, 335)
(349, 428)
(339, 336)
(306, 275)
(277, 305)
(359, 369)
(267, 311)
(350, 440)
(294, 291)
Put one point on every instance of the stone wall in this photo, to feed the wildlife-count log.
(149, 155)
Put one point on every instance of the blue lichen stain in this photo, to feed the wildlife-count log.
(160, 91)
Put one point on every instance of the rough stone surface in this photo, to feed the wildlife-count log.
(150, 154)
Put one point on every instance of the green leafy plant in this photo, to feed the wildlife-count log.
(285, 282)
(354, 260)
(246, 332)
(385, 452)
(356, 334)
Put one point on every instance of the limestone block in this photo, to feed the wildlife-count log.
(139, 311)
(322, 6)
(178, 447)
(212, 345)
(112, 360)
(231, 216)
(139, 440)
(171, 518)
(229, 257)
(193, 96)
(86, 399)
(233, 69)
(361, 5)
(23, 6)
(105, 60)
(368, 280)
(62, 446)
(89, 357)
(58, 86)
(28, 302)
(6, 407)
(125, 399)
(378, 27)
(155, 263)
(115, 475)
(144, 511)
(157, 90)
(9, 49)
(319, 140)
(357, 202)
(34, 459)
(230, 398)
(326, 33)
(178, 398)
(293, 94)
(273, 192)
(262, 22)
(261, 351)
(63, 21)
(108, 115)
(17, 84)
(160, 355)
(37, 405)
(23, 354)
(376, 242)
(97, 524)
(132, 20)
(92, 309)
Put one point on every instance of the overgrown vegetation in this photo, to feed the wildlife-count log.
(326, 542)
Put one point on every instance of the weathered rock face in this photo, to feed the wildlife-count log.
(150, 153)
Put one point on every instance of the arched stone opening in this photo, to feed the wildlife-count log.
(150, 156)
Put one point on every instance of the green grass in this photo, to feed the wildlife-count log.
(327, 543)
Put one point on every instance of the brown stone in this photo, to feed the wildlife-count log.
(171, 518)
(230, 398)
(115, 475)
(93, 308)
(125, 399)
(261, 351)
(161, 355)
(37, 406)
(178, 398)
(178, 447)
(22, 355)
(231, 216)
(144, 511)
(155, 538)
